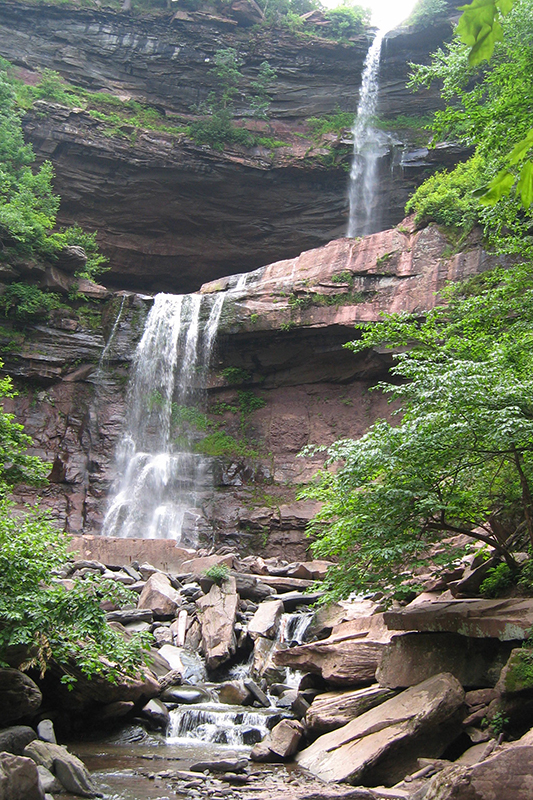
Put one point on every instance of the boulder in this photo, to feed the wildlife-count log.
(233, 693)
(160, 596)
(199, 566)
(265, 621)
(264, 660)
(185, 694)
(19, 695)
(351, 661)
(156, 714)
(281, 743)
(14, 739)
(49, 783)
(412, 657)
(507, 619)
(506, 775)
(517, 674)
(332, 710)
(217, 612)
(46, 732)
(68, 769)
(383, 744)
(72, 258)
(19, 778)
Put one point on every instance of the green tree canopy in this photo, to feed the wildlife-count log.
(459, 459)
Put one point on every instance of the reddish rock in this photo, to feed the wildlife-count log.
(217, 611)
(19, 778)
(508, 619)
(419, 722)
(159, 596)
(19, 696)
(332, 710)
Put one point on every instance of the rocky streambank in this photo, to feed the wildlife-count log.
(429, 699)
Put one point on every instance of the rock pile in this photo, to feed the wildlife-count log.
(408, 701)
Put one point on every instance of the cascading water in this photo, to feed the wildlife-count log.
(367, 149)
(161, 478)
(216, 723)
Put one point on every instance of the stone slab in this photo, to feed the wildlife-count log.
(164, 554)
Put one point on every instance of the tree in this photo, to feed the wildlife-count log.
(460, 460)
(49, 622)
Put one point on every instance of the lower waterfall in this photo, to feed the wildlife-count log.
(160, 477)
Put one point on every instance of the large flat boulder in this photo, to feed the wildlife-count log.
(410, 658)
(332, 710)
(349, 657)
(383, 745)
(507, 619)
(217, 613)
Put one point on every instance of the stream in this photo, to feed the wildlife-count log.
(135, 764)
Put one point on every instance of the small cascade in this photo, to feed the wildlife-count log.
(108, 345)
(367, 148)
(293, 627)
(161, 477)
(216, 723)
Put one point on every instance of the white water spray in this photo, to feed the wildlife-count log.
(366, 148)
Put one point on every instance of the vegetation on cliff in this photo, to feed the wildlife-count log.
(460, 459)
(489, 109)
(28, 204)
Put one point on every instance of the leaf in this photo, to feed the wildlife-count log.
(525, 184)
(519, 152)
(480, 28)
(499, 187)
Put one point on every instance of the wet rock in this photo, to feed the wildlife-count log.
(116, 710)
(159, 596)
(508, 619)
(291, 600)
(411, 658)
(19, 778)
(217, 613)
(222, 765)
(250, 588)
(334, 709)
(285, 738)
(156, 714)
(257, 693)
(516, 675)
(185, 694)
(420, 721)
(14, 739)
(234, 693)
(264, 660)
(19, 695)
(265, 621)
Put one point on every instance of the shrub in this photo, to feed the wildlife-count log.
(28, 302)
(218, 573)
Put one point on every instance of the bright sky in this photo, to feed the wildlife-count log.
(386, 14)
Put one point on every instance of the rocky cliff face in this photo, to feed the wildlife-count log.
(170, 214)
(283, 334)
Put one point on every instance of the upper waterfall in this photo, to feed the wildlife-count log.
(366, 148)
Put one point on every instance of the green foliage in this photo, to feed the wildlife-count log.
(74, 235)
(235, 375)
(219, 444)
(330, 123)
(426, 12)
(461, 458)
(446, 197)
(498, 723)
(488, 108)
(67, 626)
(28, 205)
(498, 580)
(28, 302)
(345, 21)
(218, 573)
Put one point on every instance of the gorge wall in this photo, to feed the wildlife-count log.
(282, 337)
(171, 214)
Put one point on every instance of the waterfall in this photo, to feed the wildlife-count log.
(366, 148)
(160, 476)
(218, 724)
